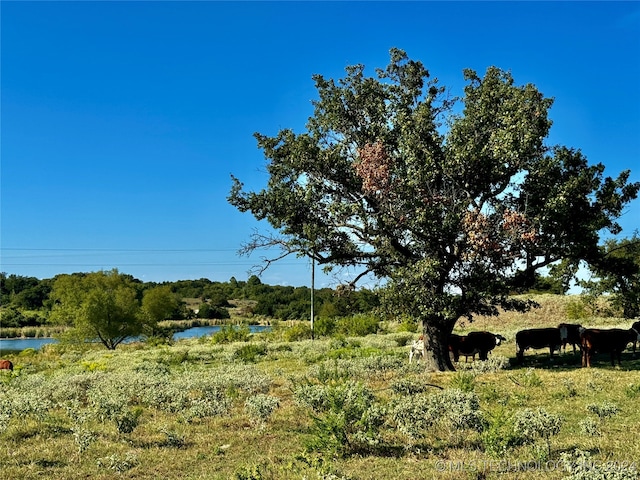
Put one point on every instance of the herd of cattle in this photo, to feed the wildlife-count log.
(588, 340)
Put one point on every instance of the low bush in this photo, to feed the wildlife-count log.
(500, 434)
(632, 390)
(531, 424)
(231, 333)
(250, 353)
(464, 381)
(346, 418)
(260, 407)
(603, 410)
(297, 332)
(451, 409)
(581, 466)
(357, 325)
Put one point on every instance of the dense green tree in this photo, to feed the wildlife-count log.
(455, 202)
(618, 273)
(27, 293)
(549, 284)
(11, 318)
(101, 306)
(158, 303)
(209, 311)
(218, 294)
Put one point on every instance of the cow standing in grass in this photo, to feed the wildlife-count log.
(570, 334)
(537, 338)
(636, 327)
(612, 341)
(474, 343)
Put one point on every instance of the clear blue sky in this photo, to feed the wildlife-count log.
(122, 122)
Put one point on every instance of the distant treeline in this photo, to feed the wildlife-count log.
(25, 301)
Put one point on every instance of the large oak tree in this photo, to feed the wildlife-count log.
(455, 202)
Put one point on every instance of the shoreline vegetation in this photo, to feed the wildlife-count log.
(173, 326)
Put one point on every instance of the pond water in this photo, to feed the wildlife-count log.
(197, 332)
(19, 344)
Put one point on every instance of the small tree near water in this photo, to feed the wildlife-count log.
(102, 306)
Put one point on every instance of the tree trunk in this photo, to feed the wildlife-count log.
(436, 347)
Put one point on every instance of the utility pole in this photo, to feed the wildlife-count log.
(313, 279)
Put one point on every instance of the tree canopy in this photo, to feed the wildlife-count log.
(456, 202)
(103, 306)
(618, 273)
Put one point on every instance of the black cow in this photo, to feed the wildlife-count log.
(570, 334)
(636, 327)
(538, 338)
(612, 341)
(473, 343)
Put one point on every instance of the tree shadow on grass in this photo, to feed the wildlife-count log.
(570, 361)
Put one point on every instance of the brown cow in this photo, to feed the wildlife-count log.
(473, 343)
(612, 341)
(570, 334)
(460, 345)
(538, 338)
(6, 365)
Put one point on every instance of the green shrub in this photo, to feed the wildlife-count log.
(253, 472)
(402, 339)
(83, 437)
(297, 332)
(632, 390)
(173, 439)
(260, 407)
(357, 326)
(11, 317)
(581, 467)
(408, 325)
(250, 353)
(346, 417)
(589, 427)
(464, 381)
(405, 386)
(158, 340)
(324, 326)
(531, 424)
(412, 416)
(231, 333)
(528, 378)
(127, 420)
(500, 434)
(576, 310)
(452, 409)
(603, 410)
(493, 364)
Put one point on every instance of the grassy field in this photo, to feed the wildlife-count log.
(335, 408)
